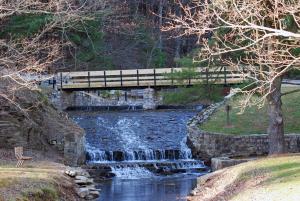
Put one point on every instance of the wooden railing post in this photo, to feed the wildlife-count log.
(225, 76)
(89, 79)
(206, 76)
(104, 75)
(53, 82)
(244, 73)
(154, 74)
(121, 78)
(61, 81)
(137, 77)
(172, 76)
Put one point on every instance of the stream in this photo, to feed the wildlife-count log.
(140, 155)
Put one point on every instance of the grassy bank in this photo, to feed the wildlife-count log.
(44, 183)
(273, 179)
(255, 120)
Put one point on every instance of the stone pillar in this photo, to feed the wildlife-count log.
(149, 99)
(63, 99)
(74, 149)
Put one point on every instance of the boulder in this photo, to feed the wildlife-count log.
(81, 177)
(71, 173)
(95, 194)
(91, 187)
(223, 162)
(84, 181)
(82, 192)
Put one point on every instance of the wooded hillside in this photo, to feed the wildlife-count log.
(94, 35)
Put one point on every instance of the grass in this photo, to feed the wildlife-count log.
(278, 170)
(255, 120)
(42, 194)
(267, 179)
(279, 179)
(7, 182)
(31, 184)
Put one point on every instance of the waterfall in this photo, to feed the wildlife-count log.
(139, 144)
(95, 155)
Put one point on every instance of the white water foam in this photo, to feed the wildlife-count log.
(134, 172)
(185, 151)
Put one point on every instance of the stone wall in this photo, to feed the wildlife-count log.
(144, 98)
(206, 145)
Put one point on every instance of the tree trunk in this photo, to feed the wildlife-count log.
(160, 21)
(177, 48)
(177, 39)
(276, 126)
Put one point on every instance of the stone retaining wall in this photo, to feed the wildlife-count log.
(206, 145)
(146, 98)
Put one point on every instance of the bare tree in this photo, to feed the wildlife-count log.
(44, 49)
(260, 37)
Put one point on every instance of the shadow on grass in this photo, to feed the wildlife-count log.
(42, 194)
(284, 172)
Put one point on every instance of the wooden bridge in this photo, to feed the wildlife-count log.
(142, 78)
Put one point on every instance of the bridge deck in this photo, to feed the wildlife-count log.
(162, 77)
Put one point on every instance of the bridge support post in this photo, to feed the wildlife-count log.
(150, 102)
(126, 96)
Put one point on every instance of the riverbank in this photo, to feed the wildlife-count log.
(44, 177)
(30, 120)
(47, 135)
(38, 180)
(274, 178)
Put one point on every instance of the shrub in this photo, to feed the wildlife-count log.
(25, 25)
(198, 93)
(159, 58)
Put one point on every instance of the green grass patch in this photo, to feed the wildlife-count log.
(274, 178)
(283, 170)
(255, 120)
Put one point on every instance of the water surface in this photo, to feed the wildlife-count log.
(174, 188)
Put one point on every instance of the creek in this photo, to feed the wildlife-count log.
(140, 155)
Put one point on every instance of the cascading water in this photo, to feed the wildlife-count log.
(138, 149)
(149, 137)
(131, 172)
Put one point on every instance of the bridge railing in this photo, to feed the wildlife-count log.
(146, 77)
